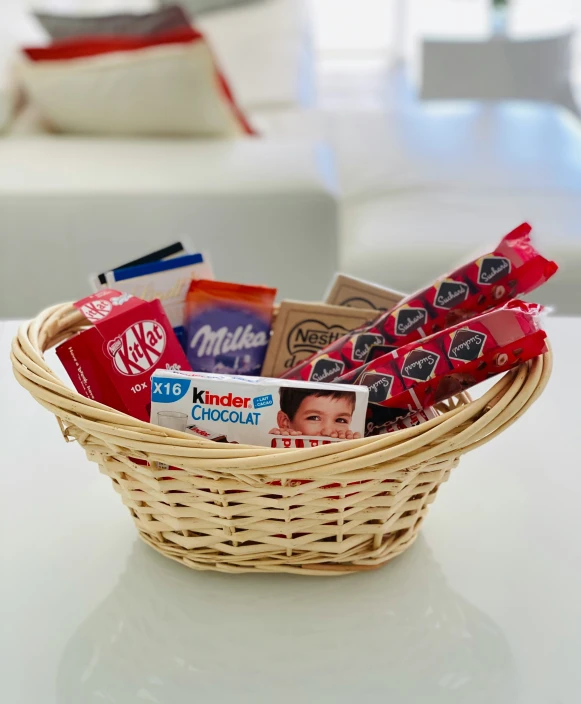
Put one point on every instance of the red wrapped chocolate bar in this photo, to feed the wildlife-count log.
(294, 442)
(514, 268)
(408, 421)
(423, 373)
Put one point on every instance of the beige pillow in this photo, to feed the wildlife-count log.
(166, 89)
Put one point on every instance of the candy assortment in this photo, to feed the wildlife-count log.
(200, 356)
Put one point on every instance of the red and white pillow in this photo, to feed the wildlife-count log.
(168, 84)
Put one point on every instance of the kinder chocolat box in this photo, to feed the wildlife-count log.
(112, 361)
(257, 411)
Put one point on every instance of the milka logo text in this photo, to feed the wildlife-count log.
(211, 343)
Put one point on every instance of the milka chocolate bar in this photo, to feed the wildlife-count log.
(421, 374)
(228, 326)
(514, 268)
(302, 329)
(356, 293)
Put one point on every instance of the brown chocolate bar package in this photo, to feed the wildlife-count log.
(356, 293)
(301, 329)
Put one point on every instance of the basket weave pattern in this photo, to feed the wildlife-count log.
(331, 509)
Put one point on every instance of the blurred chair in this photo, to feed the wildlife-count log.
(498, 68)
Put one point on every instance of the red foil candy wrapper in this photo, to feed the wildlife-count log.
(514, 268)
(408, 421)
(296, 442)
(421, 374)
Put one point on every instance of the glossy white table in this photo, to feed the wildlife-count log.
(483, 609)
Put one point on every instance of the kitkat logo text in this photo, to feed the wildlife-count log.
(95, 311)
(139, 348)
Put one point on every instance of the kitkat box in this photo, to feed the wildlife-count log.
(112, 361)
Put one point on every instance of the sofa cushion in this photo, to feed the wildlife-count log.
(168, 84)
(196, 7)
(160, 21)
(265, 48)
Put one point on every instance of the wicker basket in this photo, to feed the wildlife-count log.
(327, 510)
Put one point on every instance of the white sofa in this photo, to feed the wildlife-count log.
(265, 209)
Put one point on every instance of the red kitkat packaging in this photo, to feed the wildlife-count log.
(112, 362)
(421, 374)
(514, 268)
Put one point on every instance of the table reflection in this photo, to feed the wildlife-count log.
(167, 634)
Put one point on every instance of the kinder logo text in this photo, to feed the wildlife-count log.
(211, 343)
(139, 348)
(209, 399)
(202, 398)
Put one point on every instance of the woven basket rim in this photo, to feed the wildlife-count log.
(465, 425)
